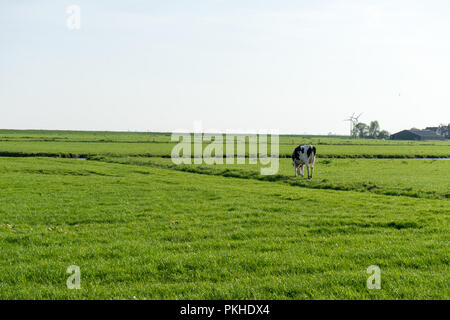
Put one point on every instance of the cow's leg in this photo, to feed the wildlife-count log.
(312, 168)
(301, 170)
(307, 168)
(295, 169)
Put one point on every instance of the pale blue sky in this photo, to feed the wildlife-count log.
(295, 66)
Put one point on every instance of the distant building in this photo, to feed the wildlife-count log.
(434, 129)
(442, 130)
(415, 134)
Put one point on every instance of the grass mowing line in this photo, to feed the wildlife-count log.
(361, 187)
(311, 184)
(282, 156)
(59, 139)
(7, 154)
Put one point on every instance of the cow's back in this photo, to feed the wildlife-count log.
(304, 154)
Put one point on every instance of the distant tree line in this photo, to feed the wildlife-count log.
(371, 131)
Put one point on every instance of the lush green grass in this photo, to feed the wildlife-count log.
(145, 232)
(82, 136)
(140, 227)
(407, 177)
(150, 137)
(76, 144)
(86, 149)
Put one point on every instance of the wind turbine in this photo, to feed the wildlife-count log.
(353, 122)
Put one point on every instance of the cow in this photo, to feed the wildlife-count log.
(304, 155)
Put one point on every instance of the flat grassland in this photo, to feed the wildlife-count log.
(140, 227)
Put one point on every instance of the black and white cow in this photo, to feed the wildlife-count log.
(304, 155)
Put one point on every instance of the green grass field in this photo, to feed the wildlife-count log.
(85, 144)
(140, 227)
(408, 177)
